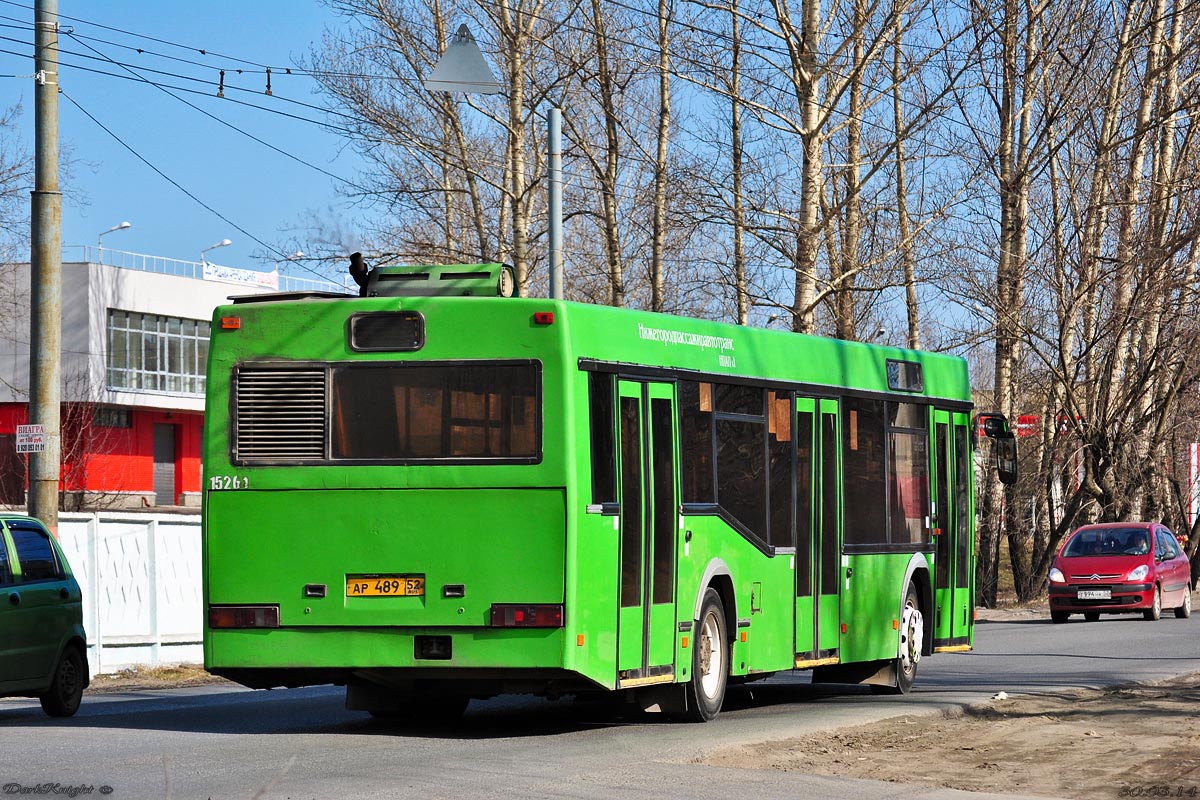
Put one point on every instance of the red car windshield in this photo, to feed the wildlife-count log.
(1109, 542)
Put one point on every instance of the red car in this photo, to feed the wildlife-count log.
(1118, 568)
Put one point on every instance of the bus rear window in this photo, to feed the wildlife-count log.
(402, 412)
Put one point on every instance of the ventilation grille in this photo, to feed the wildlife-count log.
(280, 415)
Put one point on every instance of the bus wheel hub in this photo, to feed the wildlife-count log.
(912, 628)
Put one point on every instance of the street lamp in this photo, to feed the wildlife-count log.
(222, 243)
(100, 238)
(462, 68)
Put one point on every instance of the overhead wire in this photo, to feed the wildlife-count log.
(705, 68)
(326, 125)
(233, 127)
(497, 163)
(138, 35)
(319, 123)
(301, 71)
(178, 185)
(135, 70)
(207, 82)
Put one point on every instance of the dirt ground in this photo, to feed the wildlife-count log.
(169, 677)
(1135, 741)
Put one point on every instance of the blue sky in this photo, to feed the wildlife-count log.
(254, 187)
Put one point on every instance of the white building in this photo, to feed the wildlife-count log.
(135, 334)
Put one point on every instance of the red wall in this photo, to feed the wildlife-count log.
(100, 459)
(12, 415)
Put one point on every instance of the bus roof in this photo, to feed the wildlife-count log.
(618, 339)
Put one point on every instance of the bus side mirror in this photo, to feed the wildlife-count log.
(990, 424)
(1005, 446)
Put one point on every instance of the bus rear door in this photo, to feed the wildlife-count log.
(818, 540)
(648, 527)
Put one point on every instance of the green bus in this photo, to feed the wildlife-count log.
(434, 492)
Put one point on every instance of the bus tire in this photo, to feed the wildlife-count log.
(912, 634)
(710, 661)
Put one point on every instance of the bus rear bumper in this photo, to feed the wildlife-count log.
(266, 658)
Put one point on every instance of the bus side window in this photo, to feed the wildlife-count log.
(864, 482)
(604, 462)
(695, 442)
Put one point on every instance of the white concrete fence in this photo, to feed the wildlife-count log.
(140, 575)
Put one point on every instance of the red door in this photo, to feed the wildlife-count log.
(1173, 568)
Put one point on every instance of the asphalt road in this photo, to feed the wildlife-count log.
(219, 742)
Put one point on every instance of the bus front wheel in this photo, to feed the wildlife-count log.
(710, 661)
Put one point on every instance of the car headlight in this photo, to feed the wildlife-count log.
(1138, 573)
(1056, 576)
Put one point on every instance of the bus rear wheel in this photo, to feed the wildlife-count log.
(710, 661)
(912, 637)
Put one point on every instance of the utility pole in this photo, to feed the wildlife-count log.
(554, 162)
(45, 319)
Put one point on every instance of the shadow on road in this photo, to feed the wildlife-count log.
(320, 710)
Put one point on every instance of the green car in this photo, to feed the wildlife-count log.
(43, 648)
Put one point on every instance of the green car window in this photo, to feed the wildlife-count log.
(34, 553)
(5, 569)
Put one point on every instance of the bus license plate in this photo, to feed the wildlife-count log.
(385, 585)
(1094, 594)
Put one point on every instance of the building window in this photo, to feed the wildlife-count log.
(150, 353)
(108, 417)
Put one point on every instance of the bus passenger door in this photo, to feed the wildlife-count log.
(648, 528)
(952, 531)
(818, 533)
(963, 620)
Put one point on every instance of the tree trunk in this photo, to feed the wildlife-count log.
(612, 238)
(739, 205)
(659, 233)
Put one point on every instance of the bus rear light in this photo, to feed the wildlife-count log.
(543, 318)
(509, 615)
(243, 617)
(231, 323)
